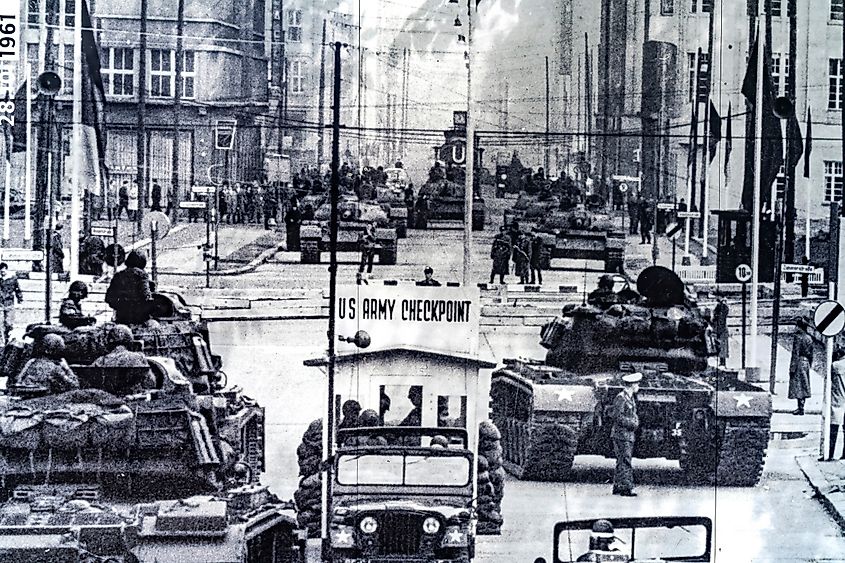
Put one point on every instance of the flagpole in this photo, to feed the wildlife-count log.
(27, 218)
(6, 197)
(807, 185)
(758, 170)
(77, 140)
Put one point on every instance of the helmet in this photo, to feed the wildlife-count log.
(53, 345)
(79, 287)
(351, 408)
(119, 334)
(368, 417)
(136, 259)
(242, 472)
(602, 529)
(606, 282)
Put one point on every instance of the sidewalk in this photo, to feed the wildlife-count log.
(828, 481)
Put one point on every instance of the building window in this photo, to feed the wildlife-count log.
(780, 183)
(118, 71)
(33, 12)
(776, 8)
(161, 73)
(834, 90)
(32, 59)
(832, 181)
(188, 74)
(691, 76)
(836, 10)
(70, 12)
(294, 31)
(780, 72)
(64, 67)
(296, 77)
(667, 7)
(706, 6)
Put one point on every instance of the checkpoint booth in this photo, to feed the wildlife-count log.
(733, 245)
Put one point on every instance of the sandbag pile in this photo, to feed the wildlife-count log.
(308, 497)
(72, 420)
(491, 479)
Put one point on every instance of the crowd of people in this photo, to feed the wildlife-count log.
(526, 250)
(247, 204)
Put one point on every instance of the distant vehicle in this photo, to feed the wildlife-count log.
(397, 178)
(647, 539)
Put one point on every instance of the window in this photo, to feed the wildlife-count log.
(780, 183)
(64, 68)
(188, 74)
(70, 11)
(667, 7)
(834, 90)
(780, 72)
(706, 6)
(161, 73)
(294, 31)
(691, 75)
(32, 58)
(296, 76)
(33, 12)
(836, 10)
(832, 181)
(118, 71)
(776, 8)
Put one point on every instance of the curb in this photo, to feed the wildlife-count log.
(822, 487)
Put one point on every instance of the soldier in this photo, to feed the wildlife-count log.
(92, 254)
(351, 410)
(537, 250)
(270, 205)
(646, 223)
(70, 311)
(501, 254)
(135, 375)
(603, 296)
(57, 253)
(720, 325)
(625, 424)
(414, 418)
(601, 537)
(48, 368)
(293, 219)
(521, 258)
(799, 366)
(155, 196)
(129, 291)
(123, 199)
(429, 280)
(633, 214)
(223, 202)
(368, 248)
(10, 290)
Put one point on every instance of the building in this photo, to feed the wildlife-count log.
(224, 78)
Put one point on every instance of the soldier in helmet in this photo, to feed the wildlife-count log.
(129, 291)
(625, 424)
(133, 368)
(49, 369)
(601, 536)
(70, 311)
(604, 295)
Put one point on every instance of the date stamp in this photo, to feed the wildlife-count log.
(9, 58)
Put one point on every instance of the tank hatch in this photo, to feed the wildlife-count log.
(661, 286)
(195, 516)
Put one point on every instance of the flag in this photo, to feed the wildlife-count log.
(729, 143)
(693, 136)
(808, 144)
(18, 131)
(715, 131)
(771, 153)
(796, 142)
(93, 141)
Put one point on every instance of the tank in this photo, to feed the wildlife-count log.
(354, 217)
(714, 424)
(443, 200)
(187, 436)
(583, 233)
(531, 209)
(391, 198)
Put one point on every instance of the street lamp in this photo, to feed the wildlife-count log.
(49, 84)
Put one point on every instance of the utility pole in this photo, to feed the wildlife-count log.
(693, 154)
(704, 207)
(789, 199)
(605, 43)
(321, 99)
(280, 74)
(329, 441)
(177, 108)
(588, 83)
(141, 142)
(548, 104)
(470, 156)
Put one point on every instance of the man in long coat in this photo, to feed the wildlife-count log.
(799, 366)
(720, 326)
(501, 255)
(625, 424)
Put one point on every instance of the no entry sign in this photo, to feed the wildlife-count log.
(829, 318)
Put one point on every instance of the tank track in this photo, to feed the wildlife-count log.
(739, 460)
(552, 443)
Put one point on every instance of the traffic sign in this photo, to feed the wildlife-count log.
(203, 190)
(743, 273)
(665, 206)
(21, 255)
(797, 269)
(829, 318)
(113, 251)
(161, 221)
(192, 204)
(688, 214)
(620, 178)
(107, 232)
(673, 230)
(623, 187)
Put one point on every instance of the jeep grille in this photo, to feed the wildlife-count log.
(400, 533)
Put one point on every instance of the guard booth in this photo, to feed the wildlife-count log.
(733, 246)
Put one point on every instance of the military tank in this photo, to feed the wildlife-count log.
(443, 200)
(714, 424)
(583, 234)
(354, 218)
(531, 209)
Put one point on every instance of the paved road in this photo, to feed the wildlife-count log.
(767, 523)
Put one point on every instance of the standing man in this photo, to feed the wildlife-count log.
(799, 365)
(9, 291)
(633, 215)
(132, 210)
(625, 424)
(155, 196)
(646, 222)
(501, 255)
(57, 253)
(368, 248)
(293, 219)
(537, 249)
(123, 199)
(720, 324)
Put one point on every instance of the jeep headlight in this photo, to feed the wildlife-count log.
(431, 525)
(368, 525)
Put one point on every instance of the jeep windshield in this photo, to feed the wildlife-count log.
(399, 469)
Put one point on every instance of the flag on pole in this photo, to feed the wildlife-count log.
(808, 144)
(729, 143)
(715, 131)
(693, 136)
(771, 150)
(796, 142)
(93, 137)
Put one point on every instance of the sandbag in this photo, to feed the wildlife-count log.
(20, 428)
(114, 428)
(488, 431)
(65, 429)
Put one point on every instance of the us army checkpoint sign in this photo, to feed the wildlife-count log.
(829, 318)
(443, 319)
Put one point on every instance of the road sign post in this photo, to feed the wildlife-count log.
(154, 251)
(743, 274)
(829, 320)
